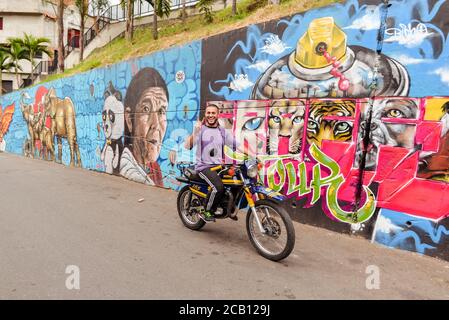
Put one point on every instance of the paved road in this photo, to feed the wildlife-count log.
(53, 216)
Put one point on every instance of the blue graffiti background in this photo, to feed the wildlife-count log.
(411, 38)
(398, 230)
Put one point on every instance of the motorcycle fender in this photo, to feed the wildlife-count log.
(270, 193)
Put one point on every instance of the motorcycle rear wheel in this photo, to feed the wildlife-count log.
(279, 239)
(190, 219)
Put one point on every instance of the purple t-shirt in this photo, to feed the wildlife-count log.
(209, 146)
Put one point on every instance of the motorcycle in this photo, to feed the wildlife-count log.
(268, 225)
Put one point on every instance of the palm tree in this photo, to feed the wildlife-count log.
(16, 53)
(5, 65)
(83, 6)
(161, 8)
(34, 47)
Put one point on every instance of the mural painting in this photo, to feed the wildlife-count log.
(113, 116)
(146, 104)
(346, 105)
(5, 120)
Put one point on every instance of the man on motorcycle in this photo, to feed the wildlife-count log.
(210, 140)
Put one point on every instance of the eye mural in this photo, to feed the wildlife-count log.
(251, 125)
(392, 124)
(285, 126)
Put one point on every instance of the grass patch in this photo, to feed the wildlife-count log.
(174, 32)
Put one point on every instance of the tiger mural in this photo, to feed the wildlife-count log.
(319, 128)
(285, 124)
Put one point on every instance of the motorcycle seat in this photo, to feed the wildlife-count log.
(192, 175)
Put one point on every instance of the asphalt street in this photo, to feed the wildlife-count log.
(53, 217)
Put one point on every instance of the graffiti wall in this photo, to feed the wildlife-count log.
(126, 120)
(347, 105)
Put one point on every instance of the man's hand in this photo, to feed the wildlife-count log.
(197, 128)
(190, 139)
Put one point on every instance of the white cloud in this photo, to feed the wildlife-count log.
(407, 60)
(240, 83)
(443, 72)
(370, 21)
(274, 46)
(385, 225)
(260, 66)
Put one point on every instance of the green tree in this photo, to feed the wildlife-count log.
(161, 8)
(83, 7)
(16, 53)
(33, 46)
(206, 9)
(5, 64)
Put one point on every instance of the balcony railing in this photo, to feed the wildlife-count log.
(43, 67)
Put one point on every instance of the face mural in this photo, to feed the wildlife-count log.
(251, 125)
(285, 126)
(146, 104)
(388, 127)
(330, 120)
(113, 126)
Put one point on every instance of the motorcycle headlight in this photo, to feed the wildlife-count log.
(252, 170)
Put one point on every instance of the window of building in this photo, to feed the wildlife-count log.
(73, 38)
(6, 86)
(1, 23)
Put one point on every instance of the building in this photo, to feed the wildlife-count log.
(36, 17)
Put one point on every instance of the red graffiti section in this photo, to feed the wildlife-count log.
(405, 162)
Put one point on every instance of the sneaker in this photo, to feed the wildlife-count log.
(207, 216)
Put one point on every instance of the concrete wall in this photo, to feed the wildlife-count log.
(132, 118)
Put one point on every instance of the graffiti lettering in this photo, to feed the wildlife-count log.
(407, 35)
(331, 182)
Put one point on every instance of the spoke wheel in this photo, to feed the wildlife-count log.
(189, 205)
(278, 239)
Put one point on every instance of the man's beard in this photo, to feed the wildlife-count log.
(214, 124)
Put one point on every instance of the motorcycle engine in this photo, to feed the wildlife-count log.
(227, 204)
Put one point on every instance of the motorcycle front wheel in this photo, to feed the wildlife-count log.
(188, 208)
(278, 239)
